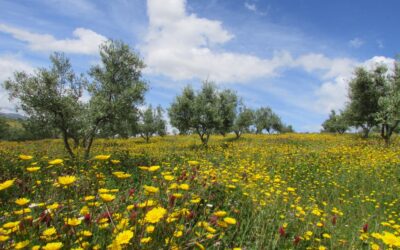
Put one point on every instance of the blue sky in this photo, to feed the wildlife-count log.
(295, 56)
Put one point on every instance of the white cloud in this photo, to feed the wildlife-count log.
(356, 43)
(250, 6)
(328, 66)
(332, 94)
(183, 46)
(377, 61)
(85, 41)
(8, 65)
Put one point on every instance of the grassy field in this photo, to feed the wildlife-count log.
(289, 191)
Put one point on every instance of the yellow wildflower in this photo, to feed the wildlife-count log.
(56, 162)
(155, 214)
(6, 184)
(32, 169)
(230, 220)
(145, 240)
(53, 246)
(21, 244)
(153, 168)
(73, 221)
(25, 157)
(22, 201)
(49, 231)
(66, 180)
(107, 197)
(102, 157)
(124, 237)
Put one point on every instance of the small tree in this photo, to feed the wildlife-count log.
(243, 121)
(287, 129)
(197, 112)
(262, 119)
(116, 91)
(52, 94)
(276, 123)
(365, 89)
(227, 105)
(389, 104)
(336, 123)
(182, 110)
(151, 123)
(266, 119)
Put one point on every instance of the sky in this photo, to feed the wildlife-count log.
(295, 56)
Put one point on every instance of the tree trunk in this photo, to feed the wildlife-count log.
(76, 142)
(238, 134)
(66, 144)
(89, 145)
(365, 131)
(207, 137)
(387, 131)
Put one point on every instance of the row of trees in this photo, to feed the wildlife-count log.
(108, 101)
(374, 103)
(211, 111)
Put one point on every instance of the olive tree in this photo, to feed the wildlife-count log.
(365, 90)
(227, 105)
(336, 123)
(199, 112)
(243, 121)
(266, 119)
(52, 93)
(182, 110)
(116, 90)
(389, 104)
(151, 123)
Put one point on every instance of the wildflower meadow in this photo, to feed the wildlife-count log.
(289, 191)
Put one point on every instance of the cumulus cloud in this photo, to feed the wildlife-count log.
(184, 46)
(84, 41)
(8, 65)
(329, 67)
(332, 94)
(356, 43)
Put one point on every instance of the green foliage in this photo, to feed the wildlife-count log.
(227, 104)
(152, 122)
(182, 110)
(36, 128)
(4, 128)
(52, 97)
(52, 94)
(243, 121)
(266, 119)
(116, 91)
(199, 112)
(336, 123)
(389, 104)
(365, 89)
(287, 129)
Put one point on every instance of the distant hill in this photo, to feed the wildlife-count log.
(12, 116)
